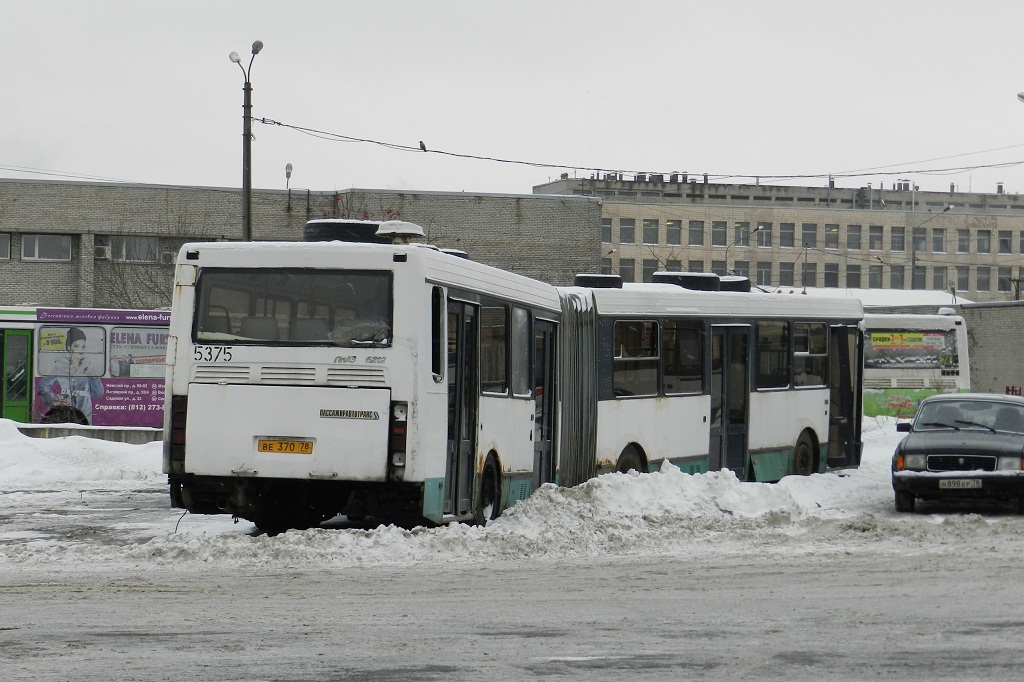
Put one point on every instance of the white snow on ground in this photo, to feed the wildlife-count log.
(666, 513)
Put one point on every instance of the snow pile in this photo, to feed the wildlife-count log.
(663, 513)
(27, 462)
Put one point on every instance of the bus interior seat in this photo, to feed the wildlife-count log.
(264, 328)
(217, 324)
(309, 329)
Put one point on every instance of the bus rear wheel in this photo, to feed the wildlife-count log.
(630, 460)
(488, 505)
(803, 456)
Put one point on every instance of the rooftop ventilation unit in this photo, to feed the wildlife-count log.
(599, 281)
(735, 283)
(697, 281)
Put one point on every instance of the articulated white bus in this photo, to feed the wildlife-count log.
(307, 380)
(762, 384)
(908, 357)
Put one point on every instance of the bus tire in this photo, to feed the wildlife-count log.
(488, 506)
(64, 415)
(803, 455)
(630, 460)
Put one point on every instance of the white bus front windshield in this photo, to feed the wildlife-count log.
(350, 308)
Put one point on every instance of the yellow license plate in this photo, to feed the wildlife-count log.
(287, 446)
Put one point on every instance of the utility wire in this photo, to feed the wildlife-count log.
(421, 148)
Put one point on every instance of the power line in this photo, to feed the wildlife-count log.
(420, 148)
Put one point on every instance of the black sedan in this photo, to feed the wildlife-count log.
(963, 445)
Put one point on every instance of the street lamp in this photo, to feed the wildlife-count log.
(913, 246)
(247, 141)
(288, 183)
(745, 238)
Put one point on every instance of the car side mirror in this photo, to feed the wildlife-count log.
(903, 426)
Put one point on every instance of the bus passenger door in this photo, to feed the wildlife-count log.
(16, 349)
(462, 407)
(544, 403)
(844, 408)
(730, 389)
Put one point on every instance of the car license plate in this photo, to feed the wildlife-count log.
(291, 446)
(959, 483)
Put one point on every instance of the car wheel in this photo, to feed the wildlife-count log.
(904, 501)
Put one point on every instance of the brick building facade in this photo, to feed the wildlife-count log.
(113, 245)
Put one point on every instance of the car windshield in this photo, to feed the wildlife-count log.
(990, 415)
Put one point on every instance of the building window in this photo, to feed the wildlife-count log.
(1005, 243)
(898, 238)
(896, 277)
(786, 274)
(810, 274)
(696, 233)
(874, 277)
(606, 266)
(853, 276)
(627, 229)
(674, 265)
(939, 278)
(832, 275)
(627, 269)
(1003, 280)
(764, 234)
(939, 240)
(853, 237)
(963, 241)
(650, 266)
(875, 238)
(695, 266)
(918, 275)
(650, 230)
(963, 278)
(128, 249)
(742, 234)
(1020, 243)
(920, 239)
(984, 244)
(984, 278)
(741, 268)
(787, 234)
(831, 236)
(5, 246)
(764, 272)
(674, 232)
(606, 230)
(46, 247)
(809, 235)
(718, 267)
(719, 233)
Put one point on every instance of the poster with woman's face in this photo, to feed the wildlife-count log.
(72, 351)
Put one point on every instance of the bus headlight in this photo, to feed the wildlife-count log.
(915, 462)
(398, 459)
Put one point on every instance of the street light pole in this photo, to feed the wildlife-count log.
(247, 140)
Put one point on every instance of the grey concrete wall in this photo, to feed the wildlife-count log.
(549, 238)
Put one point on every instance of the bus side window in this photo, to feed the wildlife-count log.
(772, 354)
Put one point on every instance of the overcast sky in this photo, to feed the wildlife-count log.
(144, 91)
